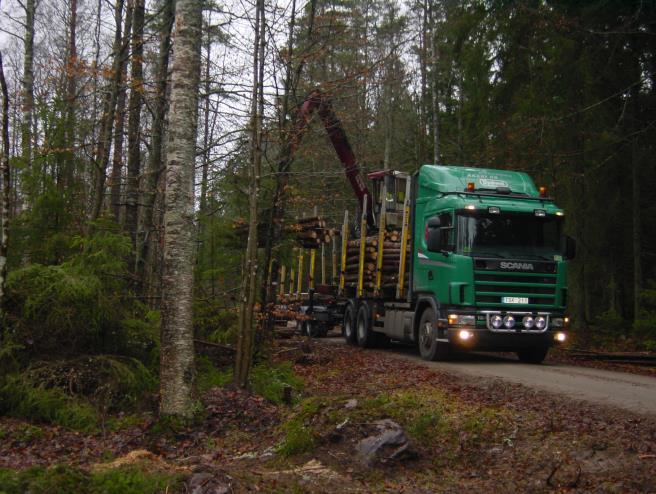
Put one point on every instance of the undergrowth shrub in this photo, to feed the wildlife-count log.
(644, 326)
(214, 322)
(82, 305)
(66, 479)
(21, 398)
(265, 380)
(111, 383)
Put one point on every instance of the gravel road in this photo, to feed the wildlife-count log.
(616, 389)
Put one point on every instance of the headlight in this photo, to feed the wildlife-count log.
(509, 322)
(496, 321)
(540, 322)
(460, 320)
(528, 322)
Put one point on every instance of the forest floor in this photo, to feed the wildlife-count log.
(462, 436)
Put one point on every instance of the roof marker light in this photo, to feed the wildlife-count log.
(540, 212)
(560, 213)
(543, 191)
(493, 210)
(471, 186)
(470, 207)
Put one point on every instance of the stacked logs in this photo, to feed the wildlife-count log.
(312, 232)
(390, 266)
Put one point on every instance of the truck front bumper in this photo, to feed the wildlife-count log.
(472, 338)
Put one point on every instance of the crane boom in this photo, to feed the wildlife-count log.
(318, 101)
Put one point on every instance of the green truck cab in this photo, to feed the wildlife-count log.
(489, 263)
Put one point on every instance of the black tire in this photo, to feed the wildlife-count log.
(533, 355)
(366, 336)
(348, 326)
(314, 329)
(429, 347)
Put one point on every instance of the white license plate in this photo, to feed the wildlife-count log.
(514, 300)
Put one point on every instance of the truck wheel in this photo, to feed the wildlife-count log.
(348, 325)
(302, 327)
(366, 337)
(429, 347)
(533, 355)
(314, 331)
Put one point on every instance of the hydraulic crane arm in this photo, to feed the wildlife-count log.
(320, 102)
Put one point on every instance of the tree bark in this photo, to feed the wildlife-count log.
(28, 83)
(134, 122)
(435, 87)
(117, 159)
(244, 356)
(177, 339)
(5, 174)
(101, 158)
(146, 249)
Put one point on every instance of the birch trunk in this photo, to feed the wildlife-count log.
(177, 339)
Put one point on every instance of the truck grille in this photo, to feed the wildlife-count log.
(492, 286)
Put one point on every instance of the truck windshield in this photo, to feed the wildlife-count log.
(509, 235)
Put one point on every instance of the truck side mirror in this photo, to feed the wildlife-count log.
(569, 247)
(434, 235)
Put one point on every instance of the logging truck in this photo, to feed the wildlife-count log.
(446, 258)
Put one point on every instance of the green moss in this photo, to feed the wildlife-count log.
(19, 398)
(65, 479)
(269, 381)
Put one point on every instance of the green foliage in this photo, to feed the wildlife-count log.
(20, 398)
(610, 322)
(645, 325)
(66, 479)
(265, 380)
(83, 304)
(269, 381)
(215, 323)
(208, 376)
(110, 382)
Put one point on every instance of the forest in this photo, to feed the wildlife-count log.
(149, 163)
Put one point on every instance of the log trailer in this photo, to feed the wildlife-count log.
(449, 258)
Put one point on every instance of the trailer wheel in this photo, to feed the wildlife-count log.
(429, 347)
(366, 337)
(348, 325)
(302, 327)
(314, 329)
(533, 355)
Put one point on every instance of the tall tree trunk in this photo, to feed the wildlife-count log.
(71, 88)
(244, 356)
(5, 175)
(134, 122)
(28, 83)
(177, 339)
(109, 107)
(435, 86)
(636, 234)
(119, 137)
(146, 250)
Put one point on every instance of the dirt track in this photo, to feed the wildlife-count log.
(616, 389)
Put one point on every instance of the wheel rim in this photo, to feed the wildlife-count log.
(425, 336)
(348, 330)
